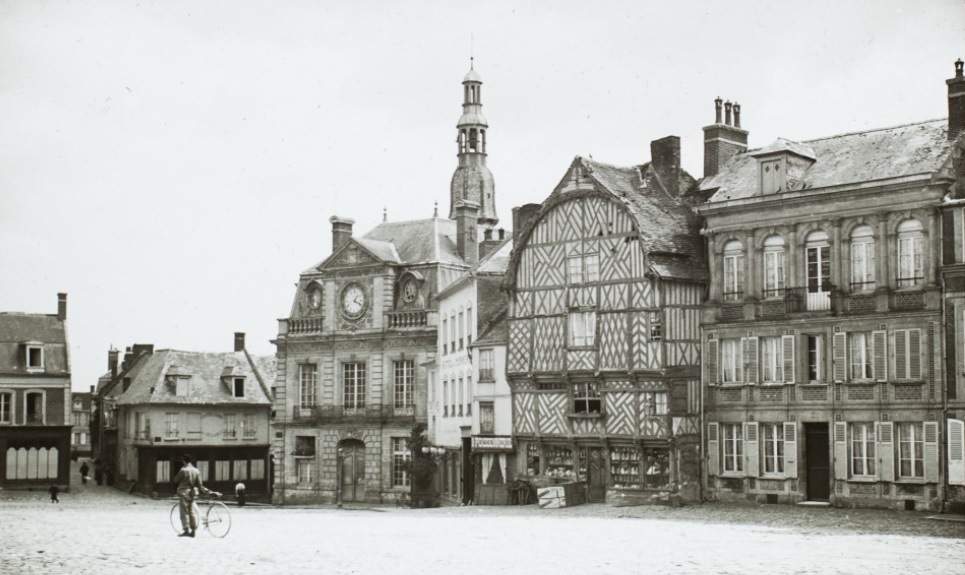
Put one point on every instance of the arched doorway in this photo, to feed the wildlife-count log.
(351, 463)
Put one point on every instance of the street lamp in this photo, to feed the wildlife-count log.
(433, 450)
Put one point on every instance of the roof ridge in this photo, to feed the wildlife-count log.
(866, 131)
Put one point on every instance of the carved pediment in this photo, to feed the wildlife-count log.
(351, 255)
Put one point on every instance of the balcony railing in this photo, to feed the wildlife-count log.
(305, 325)
(802, 299)
(323, 413)
(404, 319)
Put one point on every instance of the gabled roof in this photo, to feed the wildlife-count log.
(873, 155)
(419, 241)
(665, 222)
(150, 382)
(17, 329)
(495, 332)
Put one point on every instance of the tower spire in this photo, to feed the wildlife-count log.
(472, 180)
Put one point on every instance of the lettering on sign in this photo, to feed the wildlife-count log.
(492, 443)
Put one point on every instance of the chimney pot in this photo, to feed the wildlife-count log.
(727, 107)
(487, 234)
(722, 141)
(62, 306)
(956, 102)
(718, 103)
(239, 341)
(502, 234)
(341, 231)
(737, 115)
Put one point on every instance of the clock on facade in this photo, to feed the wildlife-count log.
(409, 290)
(353, 301)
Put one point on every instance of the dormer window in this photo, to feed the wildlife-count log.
(182, 386)
(773, 178)
(238, 389)
(34, 356)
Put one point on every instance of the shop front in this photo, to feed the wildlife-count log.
(494, 478)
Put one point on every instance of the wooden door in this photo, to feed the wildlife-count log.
(817, 456)
(595, 476)
(352, 463)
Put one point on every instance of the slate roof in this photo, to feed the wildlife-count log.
(666, 223)
(495, 332)
(148, 385)
(418, 241)
(497, 261)
(881, 154)
(17, 328)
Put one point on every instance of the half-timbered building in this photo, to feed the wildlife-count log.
(605, 285)
(822, 332)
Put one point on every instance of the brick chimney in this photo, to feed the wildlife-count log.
(956, 102)
(723, 140)
(239, 341)
(521, 215)
(341, 231)
(665, 159)
(112, 357)
(467, 219)
(62, 306)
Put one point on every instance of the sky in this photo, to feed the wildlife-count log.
(172, 166)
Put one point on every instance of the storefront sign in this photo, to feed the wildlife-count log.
(500, 443)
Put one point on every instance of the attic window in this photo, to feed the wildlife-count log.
(773, 178)
(35, 357)
(182, 386)
(239, 387)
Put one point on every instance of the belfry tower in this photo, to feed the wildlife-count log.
(472, 180)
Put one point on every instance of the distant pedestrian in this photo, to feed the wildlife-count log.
(240, 493)
(84, 470)
(54, 490)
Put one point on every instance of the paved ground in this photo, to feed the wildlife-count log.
(100, 530)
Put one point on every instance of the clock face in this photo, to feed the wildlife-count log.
(353, 300)
(315, 298)
(409, 290)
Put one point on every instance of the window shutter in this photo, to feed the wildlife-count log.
(790, 449)
(901, 354)
(914, 354)
(713, 450)
(839, 357)
(878, 339)
(840, 450)
(931, 452)
(956, 452)
(886, 450)
(751, 347)
(788, 344)
(751, 450)
(713, 373)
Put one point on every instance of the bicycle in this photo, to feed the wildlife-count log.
(215, 517)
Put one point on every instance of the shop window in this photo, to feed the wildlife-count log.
(532, 459)
(656, 468)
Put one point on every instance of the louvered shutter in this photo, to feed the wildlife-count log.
(840, 450)
(839, 356)
(713, 450)
(886, 450)
(751, 449)
(712, 359)
(914, 354)
(931, 452)
(880, 360)
(788, 345)
(751, 350)
(956, 452)
(790, 449)
(901, 354)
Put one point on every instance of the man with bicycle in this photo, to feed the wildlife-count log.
(190, 485)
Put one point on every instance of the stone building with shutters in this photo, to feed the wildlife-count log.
(605, 286)
(357, 355)
(953, 279)
(35, 405)
(822, 332)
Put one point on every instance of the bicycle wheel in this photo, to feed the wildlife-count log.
(176, 518)
(217, 519)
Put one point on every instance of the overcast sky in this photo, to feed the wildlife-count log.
(172, 165)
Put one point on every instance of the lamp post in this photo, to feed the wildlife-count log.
(338, 478)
